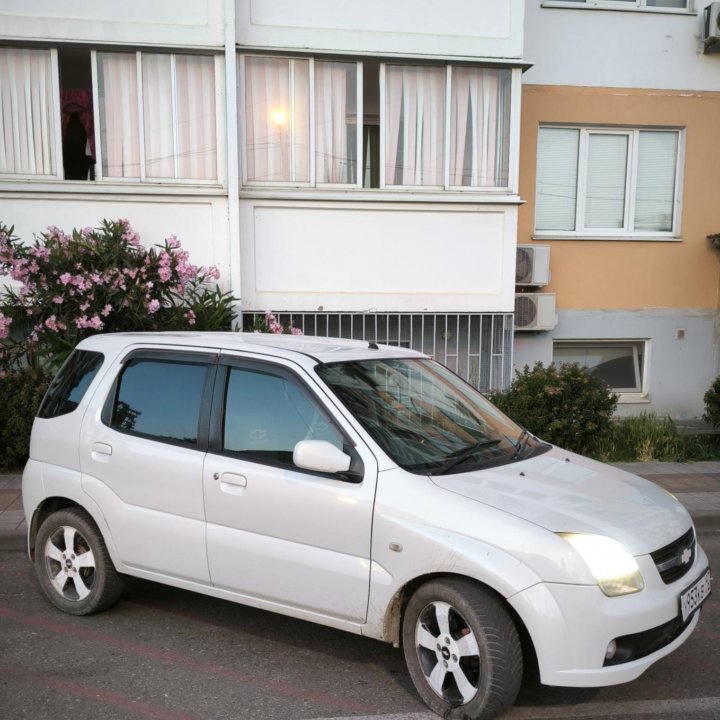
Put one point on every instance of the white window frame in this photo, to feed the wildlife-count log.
(625, 395)
(311, 182)
(622, 5)
(513, 147)
(219, 124)
(627, 231)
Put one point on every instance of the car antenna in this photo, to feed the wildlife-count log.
(373, 346)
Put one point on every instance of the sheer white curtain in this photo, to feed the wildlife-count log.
(119, 124)
(196, 126)
(479, 133)
(277, 119)
(336, 124)
(158, 116)
(27, 140)
(415, 125)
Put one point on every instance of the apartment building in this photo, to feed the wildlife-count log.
(351, 166)
(620, 119)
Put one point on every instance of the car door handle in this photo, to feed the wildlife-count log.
(232, 483)
(101, 449)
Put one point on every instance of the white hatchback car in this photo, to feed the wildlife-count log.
(366, 488)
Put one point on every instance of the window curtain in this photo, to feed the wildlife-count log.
(415, 125)
(479, 133)
(277, 119)
(159, 124)
(80, 102)
(196, 125)
(335, 122)
(119, 124)
(27, 141)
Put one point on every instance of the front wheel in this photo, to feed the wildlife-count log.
(73, 565)
(462, 650)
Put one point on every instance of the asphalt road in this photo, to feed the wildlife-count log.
(166, 654)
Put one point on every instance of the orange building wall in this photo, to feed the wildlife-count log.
(628, 274)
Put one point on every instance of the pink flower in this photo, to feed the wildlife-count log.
(106, 310)
(5, 323)
(58, 299)
(190, 317)
(153, 306)
(295, 331)
(65, 278)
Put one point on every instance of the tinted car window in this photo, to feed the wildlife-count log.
(69, 385)
(267, 414)
(160, 399)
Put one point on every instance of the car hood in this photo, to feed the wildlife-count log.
(564, 492)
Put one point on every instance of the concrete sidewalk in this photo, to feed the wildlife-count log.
(696, 485)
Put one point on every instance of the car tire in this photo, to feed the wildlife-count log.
(73, 565)
(462, 650)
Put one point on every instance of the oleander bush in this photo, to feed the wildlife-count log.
(99, 280)
(563, 404)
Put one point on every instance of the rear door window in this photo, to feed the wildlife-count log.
(70, 384)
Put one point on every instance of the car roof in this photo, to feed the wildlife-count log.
(322, 349)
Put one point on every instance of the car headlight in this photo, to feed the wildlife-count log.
(613, 567)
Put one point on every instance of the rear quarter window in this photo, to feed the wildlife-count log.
(70, 384)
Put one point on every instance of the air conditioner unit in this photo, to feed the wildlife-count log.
(532, 267)
(535, 311)
(711, 28)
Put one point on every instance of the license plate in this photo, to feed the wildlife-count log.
(694, 596)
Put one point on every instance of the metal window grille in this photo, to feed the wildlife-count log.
(478, 347)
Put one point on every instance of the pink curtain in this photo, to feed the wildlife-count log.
(80, 102)
(27, 140)
(277, 119)
(479, 114)
(119, 124)
(335, 114)
(415, 125)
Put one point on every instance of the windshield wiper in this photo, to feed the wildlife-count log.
(460, 456)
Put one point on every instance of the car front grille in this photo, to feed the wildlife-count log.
(675, 559)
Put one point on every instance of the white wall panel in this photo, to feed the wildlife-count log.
(397, 258)
(136, 22)
(481, 28)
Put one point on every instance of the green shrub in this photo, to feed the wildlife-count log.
(647, 437)
(712, 404)
(20, 395)
(565, 405)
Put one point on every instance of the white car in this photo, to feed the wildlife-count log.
(362, 487)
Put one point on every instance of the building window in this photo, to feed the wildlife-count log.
(598, 182)
(27, 142)
(157, 116)
(625, 4)
(619, 363)
(307, 122)
(473, 151)
(297, 110)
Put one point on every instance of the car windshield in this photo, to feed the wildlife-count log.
(425, 417)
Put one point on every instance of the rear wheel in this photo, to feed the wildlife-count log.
(462, 650)
(73, 565)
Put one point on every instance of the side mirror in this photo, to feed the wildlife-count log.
(320, 456)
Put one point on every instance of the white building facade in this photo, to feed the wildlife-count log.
(351, 166)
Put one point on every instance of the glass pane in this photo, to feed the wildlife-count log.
(27, 127)
(69, 385)
(267, 415)
(150, 403)
(480, 126)
(119, 125)
(606, 178)
(557, 172)
(619, 366)
(667, 3)
(196, 126)
(277, 119)
(158, 116)
(414, 125)
(655, 192)
(336, 125)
